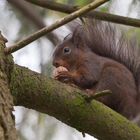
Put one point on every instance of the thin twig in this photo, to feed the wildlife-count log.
(57, 24)
(93, 14)
(97, 95)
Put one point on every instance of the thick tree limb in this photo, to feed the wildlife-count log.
(93, 14)
(67, 104)
(57, 24)
(32, 15)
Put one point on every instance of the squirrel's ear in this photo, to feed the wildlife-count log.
(68, 37)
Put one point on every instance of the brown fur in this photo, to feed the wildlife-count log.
(101, 58)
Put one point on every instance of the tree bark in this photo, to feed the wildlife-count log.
(7, 125)
(68, 104)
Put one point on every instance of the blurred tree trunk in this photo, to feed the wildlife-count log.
(33, 16)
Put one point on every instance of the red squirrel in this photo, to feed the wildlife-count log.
(98, 57)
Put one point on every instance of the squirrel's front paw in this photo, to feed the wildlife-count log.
(63, 77)
(61, 74)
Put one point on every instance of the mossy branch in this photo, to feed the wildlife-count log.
(92, 14)
(57, 24)
(69, 106)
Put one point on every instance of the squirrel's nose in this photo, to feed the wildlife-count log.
(56, 64)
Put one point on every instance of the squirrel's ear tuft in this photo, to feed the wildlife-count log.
(77, 37)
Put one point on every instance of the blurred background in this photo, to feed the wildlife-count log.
(18, 19)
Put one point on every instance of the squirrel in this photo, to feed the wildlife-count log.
(97, 57)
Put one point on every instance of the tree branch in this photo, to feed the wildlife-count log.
(57, 24)
(92, 14)
(54, 6)
(69, 106)
(31, 14)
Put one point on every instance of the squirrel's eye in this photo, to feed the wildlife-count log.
(66, 50)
